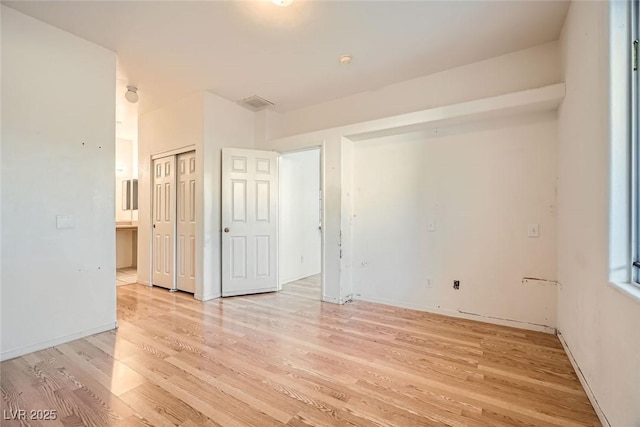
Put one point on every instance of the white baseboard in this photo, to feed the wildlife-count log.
(207, 297)
(464, 315)
(583, 381)
(333, 300)
(6, 355)
(295, 278)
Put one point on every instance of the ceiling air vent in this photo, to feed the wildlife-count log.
(255, 103)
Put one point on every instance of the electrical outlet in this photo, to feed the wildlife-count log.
(533, 230)
(429, 283)
(431, 226)
(456, 284)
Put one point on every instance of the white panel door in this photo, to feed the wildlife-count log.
(164, 208)
(249, 221)
(186, 222)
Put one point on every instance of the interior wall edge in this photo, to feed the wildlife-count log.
(583, 381)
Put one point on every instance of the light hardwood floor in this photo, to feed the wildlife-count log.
(126, 276)
(287, 358)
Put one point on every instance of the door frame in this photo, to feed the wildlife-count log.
(159, 155)
(322, 207)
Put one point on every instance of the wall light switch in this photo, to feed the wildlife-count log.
(64, 221)
(533, 230)
(431, 226)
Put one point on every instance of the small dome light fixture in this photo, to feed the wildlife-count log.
(345, 59)
(282, 2)
(132, 94)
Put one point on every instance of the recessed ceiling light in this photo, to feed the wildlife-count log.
(282, 2)
(345, 59)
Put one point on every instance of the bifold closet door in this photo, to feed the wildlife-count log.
(186, 222)
(164, 208)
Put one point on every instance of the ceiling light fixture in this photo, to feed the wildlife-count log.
(345, 59)
(282, 2)
(132, 94)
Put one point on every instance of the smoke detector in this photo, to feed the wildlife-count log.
(255, 103)
(132, 94)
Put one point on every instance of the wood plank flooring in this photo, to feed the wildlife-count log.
(286, 358)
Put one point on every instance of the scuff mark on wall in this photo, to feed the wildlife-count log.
(526, 280)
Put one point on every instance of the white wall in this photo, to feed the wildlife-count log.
(449, 90)
(598, 323)
(524, 69)
(299, 240)
(480, 185)
(208, 123)
(226, 125)
(57, 159)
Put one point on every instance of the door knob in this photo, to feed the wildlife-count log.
(226, 229)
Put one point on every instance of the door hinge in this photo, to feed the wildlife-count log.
(635, 55)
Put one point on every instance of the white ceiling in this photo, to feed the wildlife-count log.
(289, 55)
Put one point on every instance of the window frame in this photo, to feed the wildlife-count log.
(635, 143)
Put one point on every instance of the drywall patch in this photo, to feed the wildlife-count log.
(536, 281)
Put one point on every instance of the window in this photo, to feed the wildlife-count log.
(635, 143)
(624, 160)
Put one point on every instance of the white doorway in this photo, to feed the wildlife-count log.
(126, 204)
(300, 230)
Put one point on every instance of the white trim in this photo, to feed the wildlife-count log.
(6, 355)
(250, 291)
(174, 152)
(628, 289)
(323, 207)
(207, 297)
(300, 277)
(333, 300)
(520, 324)
(621, 38)
(299, 149)
(584, 383)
